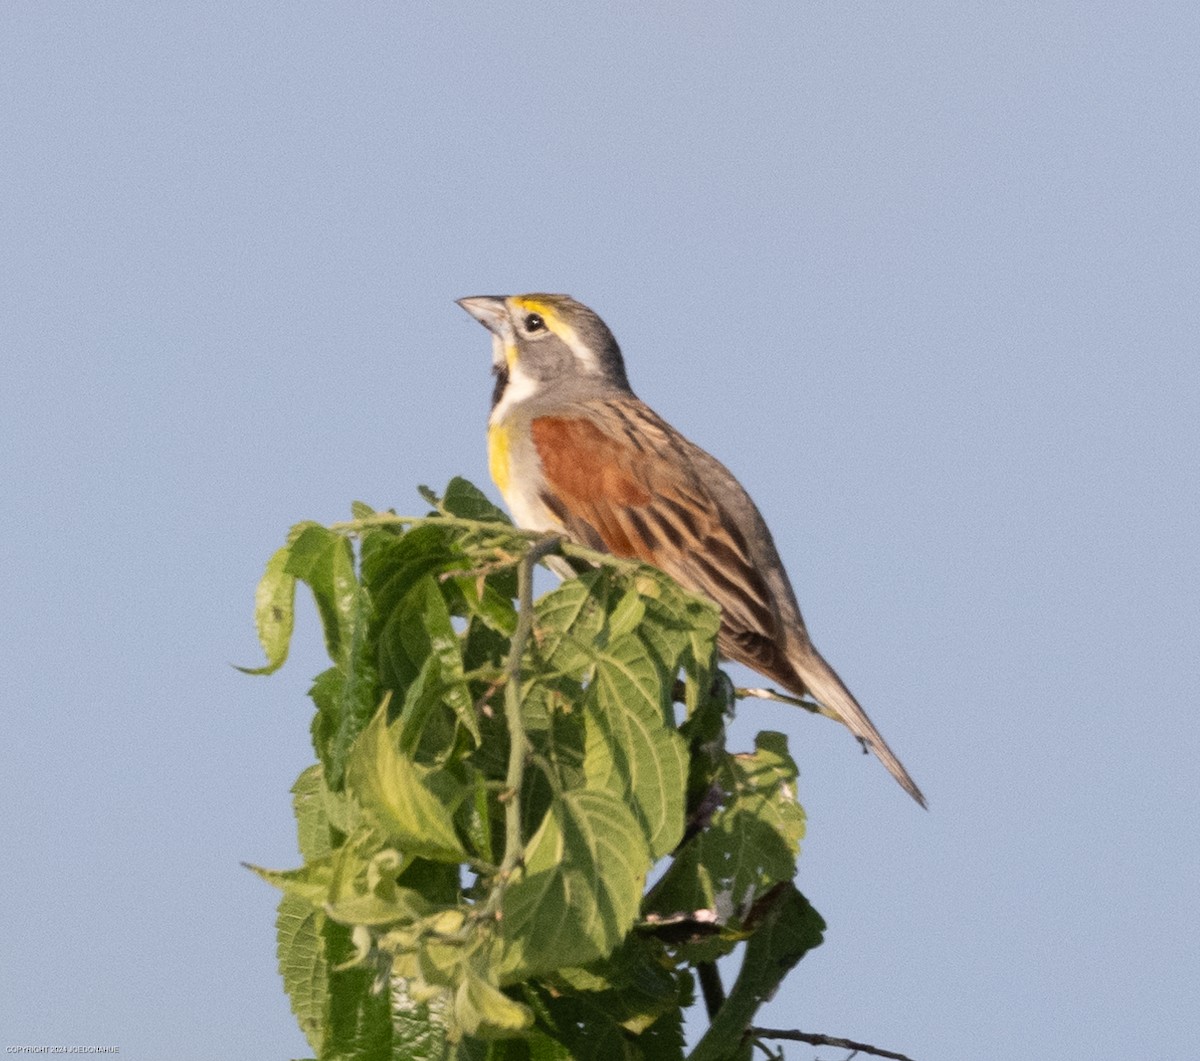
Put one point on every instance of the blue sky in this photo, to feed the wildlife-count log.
(924, 276)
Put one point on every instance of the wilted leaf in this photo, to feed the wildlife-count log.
(274, 612)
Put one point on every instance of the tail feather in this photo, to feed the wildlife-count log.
(824, 685)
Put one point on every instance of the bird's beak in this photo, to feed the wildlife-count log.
(490, 310)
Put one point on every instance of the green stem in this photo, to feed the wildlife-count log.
(390, 519)
(518, 749)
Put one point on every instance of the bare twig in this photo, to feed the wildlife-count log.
(786, 698)
(826, 1040)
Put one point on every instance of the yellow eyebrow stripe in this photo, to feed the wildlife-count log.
(556, 324)
(546, 311)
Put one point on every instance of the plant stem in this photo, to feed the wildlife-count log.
(390, 519)
(712, 988)
(785, 698)
(518, 748)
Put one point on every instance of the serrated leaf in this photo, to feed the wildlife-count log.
(568, 620)
(444, 644)
(627, 615)
(274, 612)
(420, 1026)
(414, 805)
(358, 1024)
(685, 632)
(312, 822)
(630, 752)
(395, 563)
(320, 813)
(578, 893)
(403, 904)
(301, 952)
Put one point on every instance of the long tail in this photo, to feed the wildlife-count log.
(824, 685)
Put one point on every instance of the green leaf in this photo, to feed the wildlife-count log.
(346, 697)
(413, 804)
(635, 985)
(416, 621)
(489, 604)
(685, 631)
(359, 1026)
(466, 501)
(302, 965)
(579, 891)
(788, 929)
(750, 845)
(421, 1027)
(312, 822)
(444, 645)
(628, 1005)
(630, 752)
(395, 563)
(324, 560)
(309, 884)
(704, 731)
(321, 815)
(482, 1009)
(569, 620)
(274, 612)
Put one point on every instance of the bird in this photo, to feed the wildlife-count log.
(574, 451)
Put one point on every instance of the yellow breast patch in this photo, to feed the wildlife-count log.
(499, 456)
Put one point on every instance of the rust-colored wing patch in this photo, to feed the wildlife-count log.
(633, 491)
(591, 479)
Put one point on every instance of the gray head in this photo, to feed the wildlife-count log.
(543, 339)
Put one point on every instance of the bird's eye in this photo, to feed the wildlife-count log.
(534, 323)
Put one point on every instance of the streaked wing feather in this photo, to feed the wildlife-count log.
(635, 492)
(632, 488)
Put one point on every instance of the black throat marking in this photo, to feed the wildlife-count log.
(501, 374)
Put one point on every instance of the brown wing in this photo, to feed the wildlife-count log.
(625, 482)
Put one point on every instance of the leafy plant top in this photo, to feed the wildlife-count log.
(497, 780)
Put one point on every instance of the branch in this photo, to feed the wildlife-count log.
(785, 698)
(390, 519)
(825, 1040)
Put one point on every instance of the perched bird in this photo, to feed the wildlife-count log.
(574, 450)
